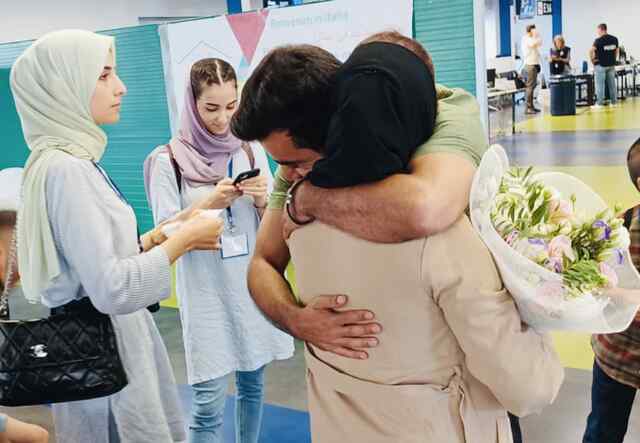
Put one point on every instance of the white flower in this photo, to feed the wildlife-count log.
(610, 274)
(532, 248)
(560, 211)
(622, 241)
(560, 247)
(565, 227)
(543, 229)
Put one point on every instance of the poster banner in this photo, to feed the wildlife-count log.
(244, 39)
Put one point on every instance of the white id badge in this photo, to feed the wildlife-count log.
(235, 245)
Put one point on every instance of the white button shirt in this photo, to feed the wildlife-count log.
(531, 50)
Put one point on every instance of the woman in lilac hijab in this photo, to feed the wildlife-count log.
(224, 331)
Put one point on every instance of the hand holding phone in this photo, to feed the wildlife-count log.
(255, 187)
(246, 175)
(223, 195)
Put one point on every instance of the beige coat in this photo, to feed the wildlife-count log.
(453, 356)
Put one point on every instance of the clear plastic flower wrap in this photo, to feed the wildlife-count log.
(559, 248)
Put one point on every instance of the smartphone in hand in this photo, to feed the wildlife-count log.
(246, 175)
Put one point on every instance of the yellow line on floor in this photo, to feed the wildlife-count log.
(574, 349)
(172, 302)
(624, 116)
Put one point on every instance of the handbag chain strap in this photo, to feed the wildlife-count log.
(11, 273)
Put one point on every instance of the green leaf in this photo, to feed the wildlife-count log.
(539, 214)
(528, 172)
(522, 213)
(532, 201)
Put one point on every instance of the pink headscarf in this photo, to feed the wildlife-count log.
(201, 156)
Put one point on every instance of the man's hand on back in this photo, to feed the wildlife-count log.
(325, 322)
(346, 333)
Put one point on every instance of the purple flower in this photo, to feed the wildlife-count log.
(619, 256)
(605, 233)
(557, 266)
(554, 264)
(538, 242)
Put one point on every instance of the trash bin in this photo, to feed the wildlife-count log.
(563, 94)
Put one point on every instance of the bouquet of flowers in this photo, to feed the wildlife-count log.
(536, 221)
(558, 246)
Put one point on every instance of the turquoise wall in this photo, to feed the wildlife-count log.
(446, 29)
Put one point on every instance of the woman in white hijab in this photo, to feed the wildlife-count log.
(77, 235)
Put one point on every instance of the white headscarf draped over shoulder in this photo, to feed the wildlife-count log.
(53, 83)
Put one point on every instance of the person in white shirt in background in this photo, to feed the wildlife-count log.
(531, 43)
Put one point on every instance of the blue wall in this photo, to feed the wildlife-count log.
(505, 28)
(234, 6)
(556, 8)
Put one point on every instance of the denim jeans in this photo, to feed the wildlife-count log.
(208, 408)
(606, 75)
(611, 403)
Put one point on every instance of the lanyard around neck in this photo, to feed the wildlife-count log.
(232, 225)
(121, 196)
(112, 185)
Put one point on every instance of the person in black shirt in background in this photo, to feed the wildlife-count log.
(560, 56)
(604, 55)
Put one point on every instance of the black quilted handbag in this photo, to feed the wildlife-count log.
(72, 355)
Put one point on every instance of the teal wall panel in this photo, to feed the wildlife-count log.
(13, 149)
(446, 29)
(9, 52)
(144, 120)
